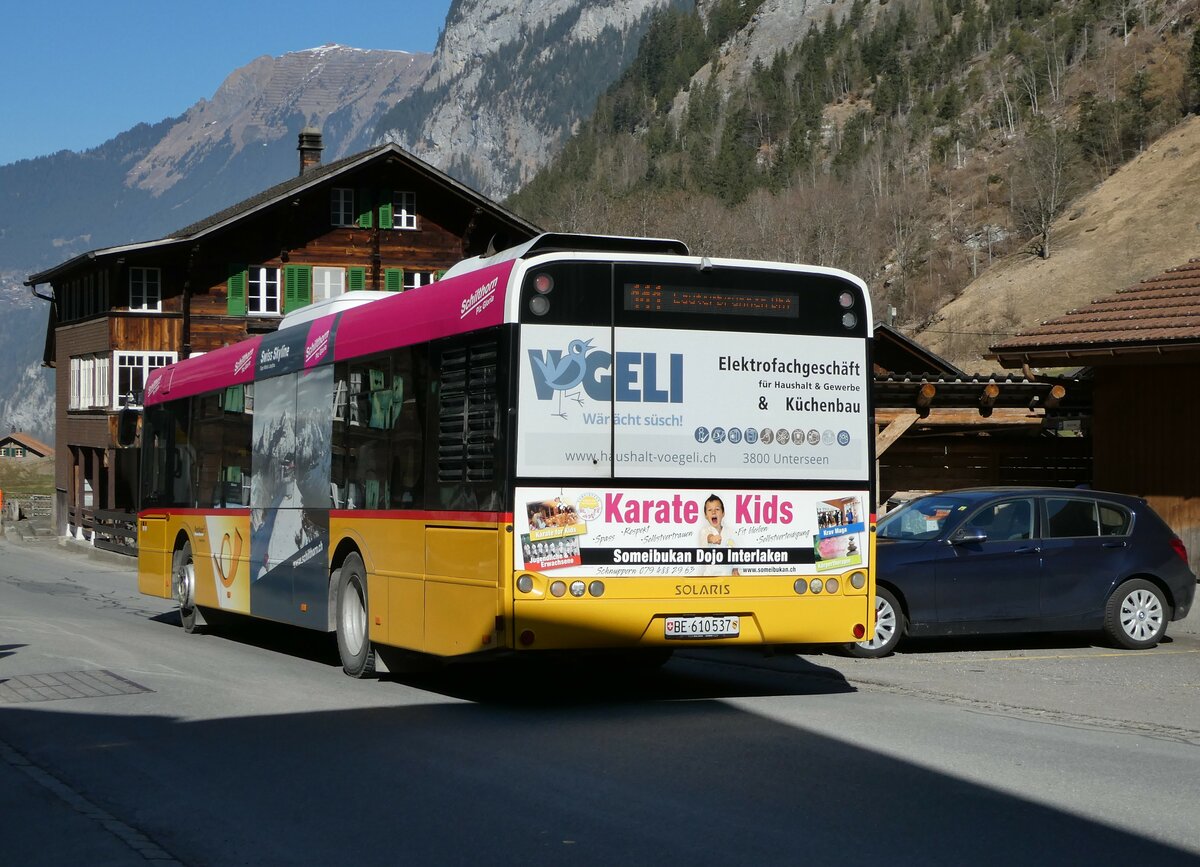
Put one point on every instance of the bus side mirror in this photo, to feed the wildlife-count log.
(127, 427)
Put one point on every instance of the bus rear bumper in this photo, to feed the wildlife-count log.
(569, 623)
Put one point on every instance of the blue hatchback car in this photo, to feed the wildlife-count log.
(992, 560)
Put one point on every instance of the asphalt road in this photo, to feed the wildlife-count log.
(252, 747)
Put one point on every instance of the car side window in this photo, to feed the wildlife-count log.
(1006, 521)
(1114, 521)
(1069, 518)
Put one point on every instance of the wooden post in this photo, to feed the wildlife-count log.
(987, 399)
(925, 398)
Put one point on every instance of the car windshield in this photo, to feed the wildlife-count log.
(923, 518)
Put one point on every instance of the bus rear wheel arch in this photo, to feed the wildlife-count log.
(351, 619)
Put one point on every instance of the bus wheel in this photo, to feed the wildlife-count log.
(354, 646)
(889, 628)
(183, 588)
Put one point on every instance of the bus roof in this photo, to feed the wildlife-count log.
(558, 242)
(471, 295)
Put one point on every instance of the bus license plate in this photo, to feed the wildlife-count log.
(723, 626)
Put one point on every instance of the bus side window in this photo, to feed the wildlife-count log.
(406, 424)
(207, 437)
(164, 447)
(364, 482)
(341, 420)
(236, 425)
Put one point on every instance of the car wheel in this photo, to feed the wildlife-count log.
(354, 643)
(889, 628)
(1136, 615)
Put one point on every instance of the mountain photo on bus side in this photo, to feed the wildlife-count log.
(289, 511)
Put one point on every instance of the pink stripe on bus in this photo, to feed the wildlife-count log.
(221, 368)
(461, 304)
(458, 305)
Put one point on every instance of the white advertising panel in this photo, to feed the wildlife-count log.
(665, 402)
(692, 533)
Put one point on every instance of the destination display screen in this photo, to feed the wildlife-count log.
(667, 298)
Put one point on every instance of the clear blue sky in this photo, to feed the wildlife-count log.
(74, 73)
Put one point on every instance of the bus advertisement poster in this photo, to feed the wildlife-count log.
(595, 402)
(689, 533)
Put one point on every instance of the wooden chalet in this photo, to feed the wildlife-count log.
(22, 447)
(938, 427)
(380, 219)
(1142, 344)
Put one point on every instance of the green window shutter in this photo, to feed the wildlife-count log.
(303, 285)
(289, 288)
(385, 215)
(297, 286)
(393, 279)
(356, 278)
(440, 274)
(365, 217)
(235, 287)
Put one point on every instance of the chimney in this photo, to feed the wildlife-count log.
(310, 148)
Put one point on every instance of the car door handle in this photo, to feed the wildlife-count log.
(1028, 550)
(1115, 544)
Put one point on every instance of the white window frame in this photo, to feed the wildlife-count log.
(327, 283)
(145, 289)
(103, 381)
(404, 209)
(90, 381)
(87, 382)
(414, 278)
(260, 278)
(341, 207)
(141, 363)
(76, 386)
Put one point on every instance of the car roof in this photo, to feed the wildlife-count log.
(983, 493)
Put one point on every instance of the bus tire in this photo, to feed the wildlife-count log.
(353, 638)
(183, 588)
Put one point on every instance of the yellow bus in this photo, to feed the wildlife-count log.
(581, 443)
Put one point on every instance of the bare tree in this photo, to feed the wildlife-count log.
(1043, 180)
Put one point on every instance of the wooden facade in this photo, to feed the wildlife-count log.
(1143, 442)
(381, 219)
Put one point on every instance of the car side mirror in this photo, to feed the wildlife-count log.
(968, 536)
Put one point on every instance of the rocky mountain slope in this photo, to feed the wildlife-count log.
(338, 89)
(494, 110)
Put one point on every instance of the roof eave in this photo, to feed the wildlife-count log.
(49, 275)
(1066, 354)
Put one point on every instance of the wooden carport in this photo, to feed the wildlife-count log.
(938, 427)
